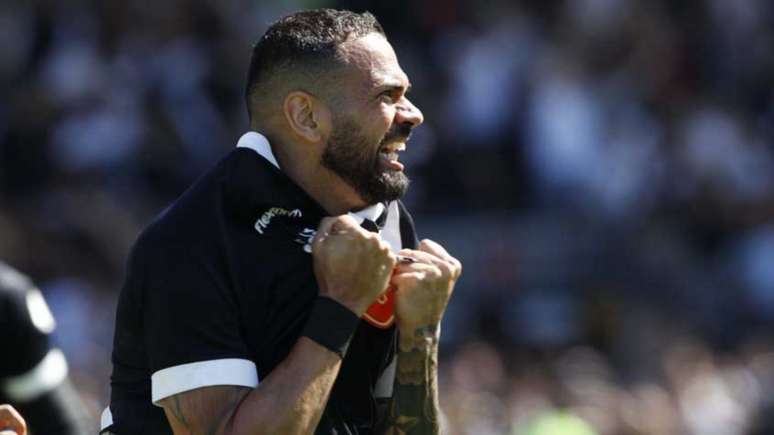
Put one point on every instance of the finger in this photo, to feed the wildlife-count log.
(418, 256)
(329, 226)
(431, 247)
(324, 228)
(448, 268)
(343, 223)
(407, 280)
(318, 239)
(9, 418)
(404, 259)
(439, 251)
(401, 268)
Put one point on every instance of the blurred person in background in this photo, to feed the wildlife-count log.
(270, 297)
(33, 374)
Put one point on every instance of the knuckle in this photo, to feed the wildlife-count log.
(391, 261)
(446, 270)
(456, 267)
(362, 236)
(373, 240)
(348, 220)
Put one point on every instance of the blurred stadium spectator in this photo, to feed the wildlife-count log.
(33, 372)
(604, 168)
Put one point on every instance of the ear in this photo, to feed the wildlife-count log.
(307, 116)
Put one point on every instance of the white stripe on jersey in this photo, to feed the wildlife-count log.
(186, 377)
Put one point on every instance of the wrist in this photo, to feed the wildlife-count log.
(356, 308)
(413, 336)
(331, 325)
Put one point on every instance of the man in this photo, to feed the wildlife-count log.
(257, 304)
(33, 374)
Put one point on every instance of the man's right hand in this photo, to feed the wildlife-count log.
(353, 266)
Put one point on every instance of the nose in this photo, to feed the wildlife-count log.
(408, 113)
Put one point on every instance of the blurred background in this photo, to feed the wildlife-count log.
(603, 168)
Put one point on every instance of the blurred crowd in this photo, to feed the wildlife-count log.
(603, 168)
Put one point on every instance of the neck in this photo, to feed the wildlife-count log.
(328, 189)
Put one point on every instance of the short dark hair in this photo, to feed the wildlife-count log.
(305, 42)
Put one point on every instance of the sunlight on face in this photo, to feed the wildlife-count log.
(371, 125)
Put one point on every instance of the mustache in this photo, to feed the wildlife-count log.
(398, 133)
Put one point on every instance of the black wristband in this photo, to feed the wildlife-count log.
(331, 325)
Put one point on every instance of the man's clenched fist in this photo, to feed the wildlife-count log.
(352, 266)
(423, 288)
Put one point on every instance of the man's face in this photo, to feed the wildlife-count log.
(372, 123)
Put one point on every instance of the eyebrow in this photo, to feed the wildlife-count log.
(394, 86)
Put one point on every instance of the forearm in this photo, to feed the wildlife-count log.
(414, 407)
(290, 400)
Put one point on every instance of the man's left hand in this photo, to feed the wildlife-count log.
(423, 287)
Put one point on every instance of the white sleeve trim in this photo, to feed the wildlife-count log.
(44, 377)
(187, 377)
(106, 419)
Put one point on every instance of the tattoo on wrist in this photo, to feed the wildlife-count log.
(428, 331)
(414, 406)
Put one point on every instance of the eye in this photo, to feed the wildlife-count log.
(388, 96)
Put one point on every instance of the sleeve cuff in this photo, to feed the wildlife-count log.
(187, 377)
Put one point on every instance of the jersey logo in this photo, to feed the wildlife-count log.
(382, 312)
(265, 219)
(305, 238)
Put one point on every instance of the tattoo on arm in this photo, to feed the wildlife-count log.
(414, 405)
(174, 408)
(204, 411)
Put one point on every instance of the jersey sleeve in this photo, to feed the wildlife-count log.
(32, 368)
(191, 321)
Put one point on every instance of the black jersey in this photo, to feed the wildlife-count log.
(218, 290)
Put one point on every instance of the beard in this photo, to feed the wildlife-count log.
(355, 159)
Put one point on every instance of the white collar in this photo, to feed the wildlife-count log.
(372, 212)
(258, 143)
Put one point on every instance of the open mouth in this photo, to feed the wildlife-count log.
(389, 155)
